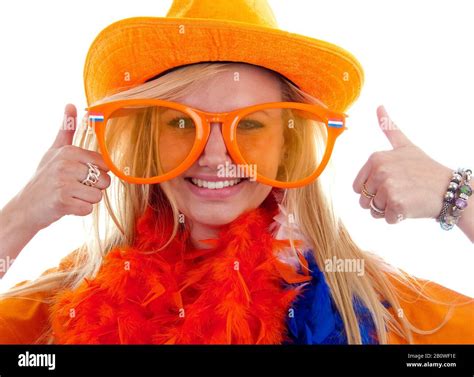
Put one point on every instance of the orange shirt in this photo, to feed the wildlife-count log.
(427, 315)
(22, 320)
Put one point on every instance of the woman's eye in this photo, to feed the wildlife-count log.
(248, 124)
(183, 123)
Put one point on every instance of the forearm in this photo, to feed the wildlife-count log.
(466, 222)
(15, 233)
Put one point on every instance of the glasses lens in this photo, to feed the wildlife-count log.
(149, 141)
(282, 144)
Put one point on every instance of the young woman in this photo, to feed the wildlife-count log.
(218, 230)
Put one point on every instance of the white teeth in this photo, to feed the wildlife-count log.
(214, 185)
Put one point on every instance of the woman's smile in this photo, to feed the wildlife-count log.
(212, 187)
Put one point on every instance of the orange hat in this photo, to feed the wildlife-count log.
(133, 50)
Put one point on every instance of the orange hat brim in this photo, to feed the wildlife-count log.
(132, 50)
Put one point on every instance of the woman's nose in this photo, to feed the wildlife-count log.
(215, 152)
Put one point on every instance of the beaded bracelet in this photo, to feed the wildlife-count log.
(455, 199)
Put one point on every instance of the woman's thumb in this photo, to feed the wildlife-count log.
(68, 127)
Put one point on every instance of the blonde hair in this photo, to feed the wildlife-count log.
(317, 221)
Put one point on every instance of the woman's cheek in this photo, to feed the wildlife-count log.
(265, 155)
(172, 152)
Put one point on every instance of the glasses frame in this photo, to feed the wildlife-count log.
(98, 116)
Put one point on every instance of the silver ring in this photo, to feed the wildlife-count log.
(374, 208)
(92, 175)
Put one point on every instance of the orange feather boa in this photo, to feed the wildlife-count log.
(235, 292)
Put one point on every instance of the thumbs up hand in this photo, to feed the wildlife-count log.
(403, 182)
(68, 128)
(55, 189)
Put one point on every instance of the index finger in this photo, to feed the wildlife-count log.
(362, 177)
(85, 156)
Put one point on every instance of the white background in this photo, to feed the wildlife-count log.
(418, 60)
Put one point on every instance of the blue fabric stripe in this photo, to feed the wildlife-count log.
(315, 318)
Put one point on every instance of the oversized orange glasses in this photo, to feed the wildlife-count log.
(283, 144)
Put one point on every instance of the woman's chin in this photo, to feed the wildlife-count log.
(215, 207)
(215, 215)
